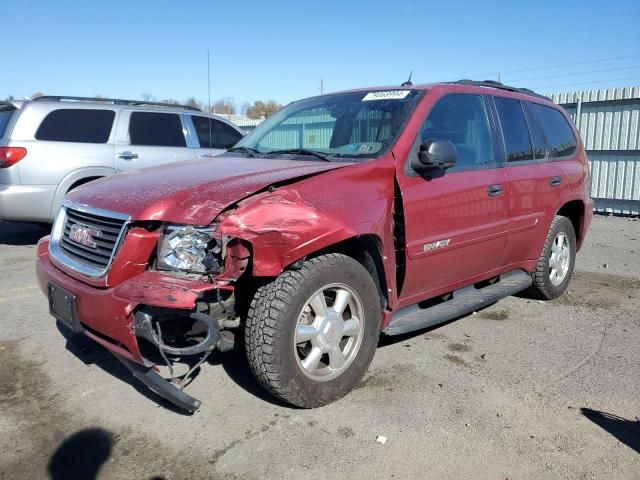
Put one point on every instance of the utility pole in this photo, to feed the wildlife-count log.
(321, 86)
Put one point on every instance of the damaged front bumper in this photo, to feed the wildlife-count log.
(121, 319)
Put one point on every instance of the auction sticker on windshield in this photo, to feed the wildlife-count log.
(386, 95)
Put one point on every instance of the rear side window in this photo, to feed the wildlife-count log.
(220, 135)
(514, 129)
(77, 125)
(461, 119)
(562, 142)
(156, 129)
(5, 116)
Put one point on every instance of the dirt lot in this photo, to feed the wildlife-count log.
(520, 390)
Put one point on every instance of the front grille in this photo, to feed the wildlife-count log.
(92, 256)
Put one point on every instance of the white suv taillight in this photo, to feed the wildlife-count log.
(11, 155)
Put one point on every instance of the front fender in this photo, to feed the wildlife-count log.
(282, 228)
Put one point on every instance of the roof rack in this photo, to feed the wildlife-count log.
(501, 86)
(115, 101)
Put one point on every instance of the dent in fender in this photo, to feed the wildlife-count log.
(281, 227)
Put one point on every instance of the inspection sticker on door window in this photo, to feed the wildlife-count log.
(386, 95)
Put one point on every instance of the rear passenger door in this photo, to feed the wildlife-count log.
(213, 136)
(148, 138)
(535, 185)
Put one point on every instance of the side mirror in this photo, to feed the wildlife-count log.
(435, 154)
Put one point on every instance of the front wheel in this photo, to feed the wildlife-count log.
(312, 332)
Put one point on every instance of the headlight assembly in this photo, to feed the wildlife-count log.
(189, 249)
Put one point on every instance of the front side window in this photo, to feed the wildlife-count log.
(214, 133)
(461, 119)
(156, 129)
(562, 142)
(77, 125)
(350, 125)
(514, 128)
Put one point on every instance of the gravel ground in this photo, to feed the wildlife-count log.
(521, 390)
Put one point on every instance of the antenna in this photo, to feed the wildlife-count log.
(408, 83)
(209, 99)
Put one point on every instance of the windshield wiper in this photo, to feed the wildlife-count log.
(250, 152)
(300, 151)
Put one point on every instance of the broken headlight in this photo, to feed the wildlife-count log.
(189, 249)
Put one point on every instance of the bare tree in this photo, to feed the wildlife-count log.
(37, 94)
(10, 97)
(193, 102)
(224, 106)
(147, 97)
(261, 109)
(172, 101)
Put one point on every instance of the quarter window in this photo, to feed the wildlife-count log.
(514, 129)
(537, 138)
(77, 125)
(156, 129)
(214, 134)
(461, 119)
(562, 142)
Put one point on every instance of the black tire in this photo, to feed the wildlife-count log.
(542, 287)
(273, 317)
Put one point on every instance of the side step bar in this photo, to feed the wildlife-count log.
(464, 301)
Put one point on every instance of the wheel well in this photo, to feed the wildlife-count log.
(366, 249)
(82, 181)
(574, 211)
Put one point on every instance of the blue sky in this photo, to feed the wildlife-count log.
(280, 50)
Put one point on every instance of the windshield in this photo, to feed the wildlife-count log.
(348, 125)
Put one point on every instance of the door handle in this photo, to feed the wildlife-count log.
(127, 155)
(494, 190)
(555, 181)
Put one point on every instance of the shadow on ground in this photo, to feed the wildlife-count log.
(81, 455)
(91, 353)
(234, 363)
(626, 431)
(20, 234)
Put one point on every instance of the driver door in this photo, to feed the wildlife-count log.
(456, 220)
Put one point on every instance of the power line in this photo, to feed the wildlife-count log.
(577, 73)
(559, 65)
(585, 83)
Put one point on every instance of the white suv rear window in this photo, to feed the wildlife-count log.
(5, 117)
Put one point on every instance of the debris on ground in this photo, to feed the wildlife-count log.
(381, 440)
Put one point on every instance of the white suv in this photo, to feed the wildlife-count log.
(50, 145)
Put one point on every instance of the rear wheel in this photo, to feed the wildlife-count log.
(312, 332)
(555, 265)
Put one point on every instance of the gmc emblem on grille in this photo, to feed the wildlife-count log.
(83, 235)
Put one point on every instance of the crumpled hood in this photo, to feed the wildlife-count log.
(192, 192)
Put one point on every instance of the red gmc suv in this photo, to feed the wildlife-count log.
(341, 216)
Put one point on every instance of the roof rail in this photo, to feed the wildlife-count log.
(501, 86)
(115, 101)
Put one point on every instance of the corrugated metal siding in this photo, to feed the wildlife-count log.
(615, 127)
(609, 124)
(615, 176)
(605, 95)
